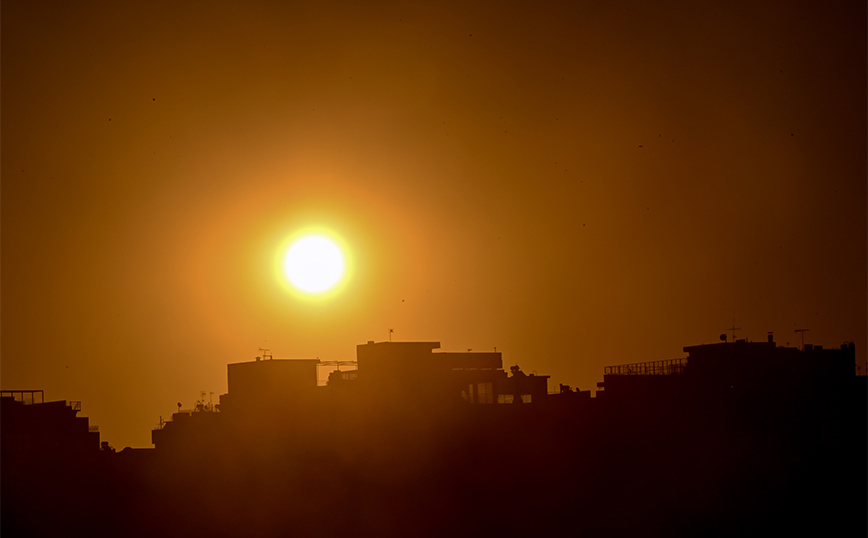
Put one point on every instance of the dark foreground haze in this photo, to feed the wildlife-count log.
(738, 438)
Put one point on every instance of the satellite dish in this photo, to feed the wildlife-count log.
(723, 337)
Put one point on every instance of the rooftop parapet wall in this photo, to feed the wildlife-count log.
(265, 378)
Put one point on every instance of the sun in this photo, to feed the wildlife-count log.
(314, 264)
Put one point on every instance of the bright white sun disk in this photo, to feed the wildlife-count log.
(314, 264)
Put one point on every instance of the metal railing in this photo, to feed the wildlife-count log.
(664, 367)
(26, 397)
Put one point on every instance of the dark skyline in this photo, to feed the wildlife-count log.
(574, 184)
(737, 435)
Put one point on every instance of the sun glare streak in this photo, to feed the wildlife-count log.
(313, 264)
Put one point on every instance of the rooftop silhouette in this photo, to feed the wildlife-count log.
(408, 440)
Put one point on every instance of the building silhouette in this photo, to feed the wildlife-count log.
(396, 383)
(47, 453)
(715, 371)
(407, 440)
(34, 428)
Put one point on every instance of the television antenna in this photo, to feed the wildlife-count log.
(733, 329)
(338, 364)
(803, 331)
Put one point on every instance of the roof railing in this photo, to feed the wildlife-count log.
(664, 367)
(26, 397)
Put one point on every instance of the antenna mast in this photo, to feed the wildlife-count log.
(733, 329)
(803, 331)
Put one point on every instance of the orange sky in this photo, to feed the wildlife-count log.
(576, 186)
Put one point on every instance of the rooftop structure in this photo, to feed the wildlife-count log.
(35, 430)
(734, 366)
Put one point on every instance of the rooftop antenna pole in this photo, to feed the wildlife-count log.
(803, 331)
(733, 329)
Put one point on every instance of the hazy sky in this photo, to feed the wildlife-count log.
(577, 184)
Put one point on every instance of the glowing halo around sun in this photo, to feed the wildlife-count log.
(313, 264)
